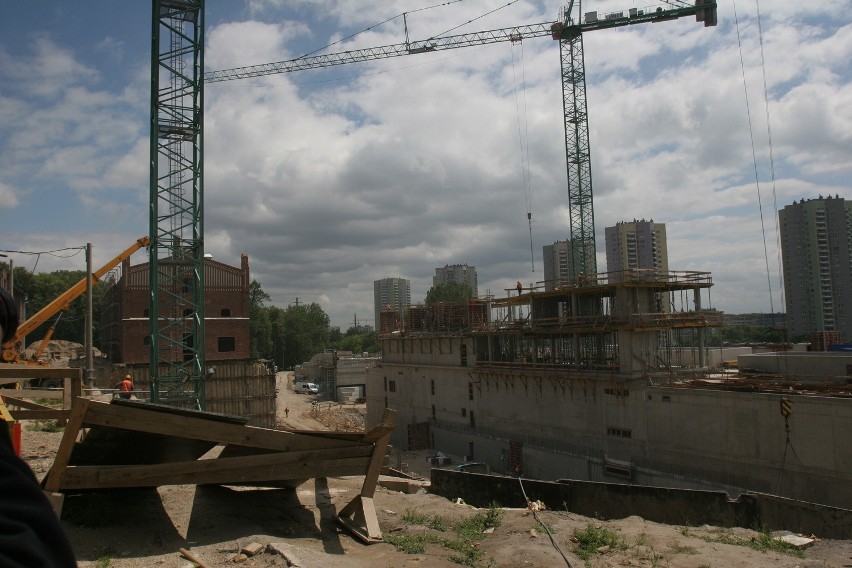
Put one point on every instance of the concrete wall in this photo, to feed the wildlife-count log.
(801, 365)
(661, 505)
(609, 430)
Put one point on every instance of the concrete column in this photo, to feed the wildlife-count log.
(702, 353)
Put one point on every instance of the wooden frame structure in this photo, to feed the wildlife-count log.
(22, 409)
(124, 444)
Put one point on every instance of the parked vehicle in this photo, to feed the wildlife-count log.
(306, 388)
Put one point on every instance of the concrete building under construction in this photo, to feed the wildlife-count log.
(608, 380)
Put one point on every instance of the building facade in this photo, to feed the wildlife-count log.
(610, 396)
(558, 266)
(126, 307)
(459, 273)
(816, 250)
(636, 245)
(390, 294)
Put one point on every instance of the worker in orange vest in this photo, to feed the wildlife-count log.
(125, 387)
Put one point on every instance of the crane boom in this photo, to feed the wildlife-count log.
(61, 303)
(568, 31)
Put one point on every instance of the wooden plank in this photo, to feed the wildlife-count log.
(143, 420)
(39, 393)
(234, 471)
(16, 372)
(53, 480)
(52, 414)
(26, 404)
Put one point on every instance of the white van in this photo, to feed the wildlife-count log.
(306, 388)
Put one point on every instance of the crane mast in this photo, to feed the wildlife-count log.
(568, 30)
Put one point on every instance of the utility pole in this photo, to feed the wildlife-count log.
(88, 336)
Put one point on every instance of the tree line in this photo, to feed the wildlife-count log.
(288, 336)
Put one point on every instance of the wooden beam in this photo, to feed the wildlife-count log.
(359, 515)
(198, 428)
(248, 469)
(52, 414)
(53, 480)
(10, 373)
(25, 404)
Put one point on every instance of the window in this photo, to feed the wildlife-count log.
(146, 312)
(619, 432)
(433, 387)
(186, 284)
(433, 412)
(225, 313)
(386, 384)
(227, 344)
(392, 386)
(470, 391)
(472, 421)
(464, 412)
(463, 354)
(146, 340)
(187, 312)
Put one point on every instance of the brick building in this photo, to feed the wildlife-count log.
(125, 331)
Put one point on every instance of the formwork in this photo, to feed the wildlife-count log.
(243, 388)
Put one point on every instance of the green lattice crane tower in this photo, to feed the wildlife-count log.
(569, 32)
(176, 216)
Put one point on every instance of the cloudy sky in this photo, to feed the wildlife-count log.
(332, 179)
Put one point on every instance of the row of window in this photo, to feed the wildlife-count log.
(223, 313)
(223, 344)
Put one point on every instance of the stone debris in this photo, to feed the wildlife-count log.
(286, 552)
(797, 541)
(252, 549)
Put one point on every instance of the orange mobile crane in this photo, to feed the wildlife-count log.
(12, 348)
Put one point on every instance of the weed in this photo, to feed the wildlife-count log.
(590, 539)
(105, 557)
(684, 530)
(657, 559)
(640, 540)
(45, 426)
(469, 531)
(683, 549)
(764, 542)
(433, 522)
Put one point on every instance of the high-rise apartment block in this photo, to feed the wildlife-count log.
(460, 273)
(639, 246)
(393, 292)
(816, 248)
(558, 269)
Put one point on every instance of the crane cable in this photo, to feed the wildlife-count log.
(341, 40)
(523, 142)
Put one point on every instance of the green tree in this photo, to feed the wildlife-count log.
(260, 326)
(454, 292)
(305, 333)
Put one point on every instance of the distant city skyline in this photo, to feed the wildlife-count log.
(331, 178)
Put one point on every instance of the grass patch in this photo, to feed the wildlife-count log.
(44, 426)
(105, 557)
(432, 521)
(592, 538)
(469, 532)
(683, 549)
(763, 542)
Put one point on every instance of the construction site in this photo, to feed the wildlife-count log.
(599, 387)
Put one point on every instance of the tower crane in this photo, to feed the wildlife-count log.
(176, 160)
(568, 30)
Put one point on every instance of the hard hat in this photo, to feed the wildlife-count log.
(126, 376)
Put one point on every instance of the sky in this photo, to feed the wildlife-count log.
(332, 179)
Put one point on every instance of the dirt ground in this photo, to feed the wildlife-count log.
(295, 527)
